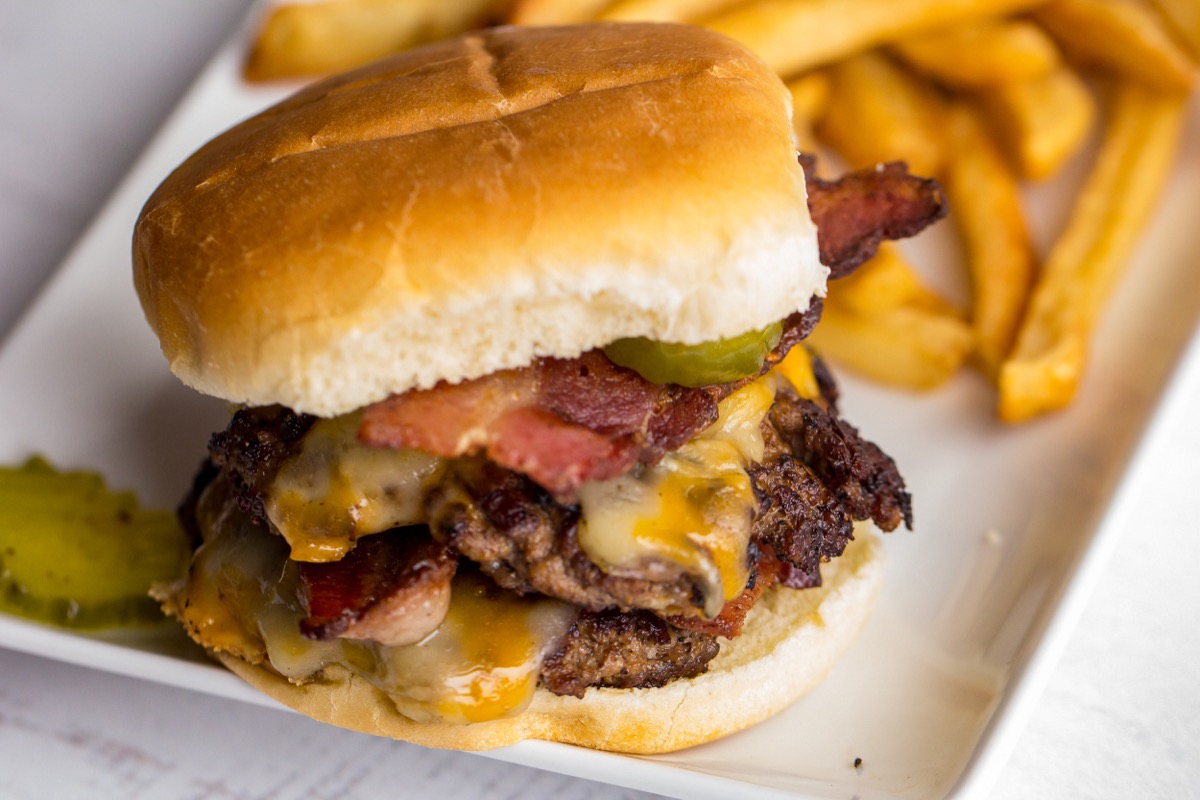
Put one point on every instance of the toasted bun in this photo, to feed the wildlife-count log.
(473, 204)
(790, 642)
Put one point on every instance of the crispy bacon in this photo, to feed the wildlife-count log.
(559, 421)
(393, 588)
(859, 210)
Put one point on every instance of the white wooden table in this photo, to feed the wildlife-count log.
(83, 85)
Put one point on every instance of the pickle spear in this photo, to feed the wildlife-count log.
(75, 554)
(721, 361)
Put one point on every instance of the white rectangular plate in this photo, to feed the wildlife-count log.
(1010, 521)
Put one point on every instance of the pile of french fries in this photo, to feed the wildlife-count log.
(987, 95)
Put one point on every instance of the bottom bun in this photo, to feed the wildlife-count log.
(790, 642)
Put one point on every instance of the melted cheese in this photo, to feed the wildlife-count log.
(482, 662)
(337, 489)
(692, 512)
(797, 368)
(218, 599)
(242, 596)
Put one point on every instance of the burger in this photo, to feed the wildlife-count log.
(526, 442)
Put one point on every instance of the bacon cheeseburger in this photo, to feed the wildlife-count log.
(527, 448)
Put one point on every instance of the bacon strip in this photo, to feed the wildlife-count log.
(393, 588)
(560, 421)
(859, 210)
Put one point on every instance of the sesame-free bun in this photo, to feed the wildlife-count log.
(790, 642)
(470, 205)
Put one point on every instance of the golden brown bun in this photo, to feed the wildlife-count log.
(470, 205)
(790, 642)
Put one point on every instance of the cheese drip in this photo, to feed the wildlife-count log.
(797, 369)
(483, 661)
(337, 489)
(689, 514)
(242, 596)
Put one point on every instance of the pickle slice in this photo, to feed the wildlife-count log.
(73, 553)
(704, 364)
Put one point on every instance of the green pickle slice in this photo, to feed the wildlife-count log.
(694, 365)
(75, 554)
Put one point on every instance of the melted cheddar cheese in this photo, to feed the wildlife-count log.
(797, 368)
(243, 597)
(337, 489)
(693, 510)
(482, 662)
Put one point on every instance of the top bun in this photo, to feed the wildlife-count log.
(467, 206)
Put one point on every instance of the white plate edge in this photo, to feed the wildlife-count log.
(1048, 641)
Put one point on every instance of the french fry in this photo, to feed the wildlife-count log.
(555, 12)
(982, 53)
(1184, 17)
(795, 35)
(884, 283)
(307, 39)
(885, 323)
(907, 347)
(882, 113)
(810, 98)
(1120, 35)
(1000, 257)
(662, 10)
(1084, 265)
(1042, 122)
